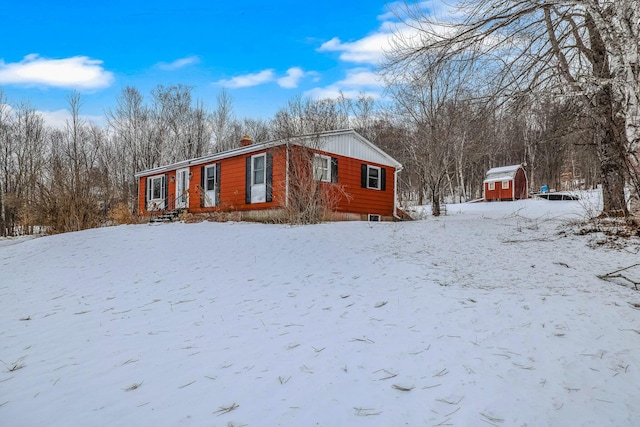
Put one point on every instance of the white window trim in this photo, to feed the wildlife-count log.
(369, 167)
(155, 203)
(316, 169)
(492, 186)
(505, 185)
(210, 199)
(206, 177)
(374, 217)
(264, 169)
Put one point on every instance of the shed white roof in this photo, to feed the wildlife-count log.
(503, 173)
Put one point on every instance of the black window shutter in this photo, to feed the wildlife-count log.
(269, 179)
(217, 184)
(165, 204)
(202, 186)
(383, 179)
(363, 176)
(247, 191)
(334, 170)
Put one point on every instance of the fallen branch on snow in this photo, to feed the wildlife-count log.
(615, 275)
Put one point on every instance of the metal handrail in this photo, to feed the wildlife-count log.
(169, 204)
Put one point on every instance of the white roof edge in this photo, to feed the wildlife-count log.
(264, 145)
(211, 157)
(383, 153)
(510, 168)
(499, 178)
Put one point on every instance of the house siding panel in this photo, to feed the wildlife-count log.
(233, 185)
(363, 200)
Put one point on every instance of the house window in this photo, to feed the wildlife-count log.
(210, 183)
(156, 189)
(374, 217)
(373, 177)
(492, 186)
(258, 170)
(259, 178)
(505, 185)
(210, 178)
(322, 168)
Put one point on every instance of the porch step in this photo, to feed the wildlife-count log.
(166, 216)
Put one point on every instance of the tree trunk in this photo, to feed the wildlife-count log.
(3, 228)
(610, 143)
(435, 204)
(610, 131)
(435, 200)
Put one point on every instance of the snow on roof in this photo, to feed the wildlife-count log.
(502, 173)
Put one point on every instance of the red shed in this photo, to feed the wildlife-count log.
(506, 183)
(256, 178)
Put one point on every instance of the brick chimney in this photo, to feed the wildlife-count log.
(245, 141)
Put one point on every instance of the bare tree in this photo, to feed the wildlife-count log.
(428, 96)
(71, 195)
(129, 148)
(304, 116)
(311, 195)
(223, 123)
(5, 153)
(584, 49)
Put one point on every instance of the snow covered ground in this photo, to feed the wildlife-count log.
(491, 315)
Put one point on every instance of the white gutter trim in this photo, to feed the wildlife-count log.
(286, 179)
(210, 158)
(395, 193)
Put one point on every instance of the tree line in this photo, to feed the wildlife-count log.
(72, 178)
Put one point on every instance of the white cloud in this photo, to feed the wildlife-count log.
(78, 72)
(357, 82)
(369, 49)
(248, 80)
(293, 77)
(361, 77)
(58, 119)
(290, 81)
(400, 21)
(334, 91)
(179, 63)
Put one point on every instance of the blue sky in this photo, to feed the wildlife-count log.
(263, 52)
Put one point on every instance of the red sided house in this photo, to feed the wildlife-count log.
(506, 183)
(258, 179)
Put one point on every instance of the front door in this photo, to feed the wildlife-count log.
(182, 188)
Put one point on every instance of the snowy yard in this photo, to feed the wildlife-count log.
(491, 315)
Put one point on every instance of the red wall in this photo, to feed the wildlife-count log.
(232, 187)
(363, 200)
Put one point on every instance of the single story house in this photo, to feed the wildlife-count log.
(506, 183)
(257, 179)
